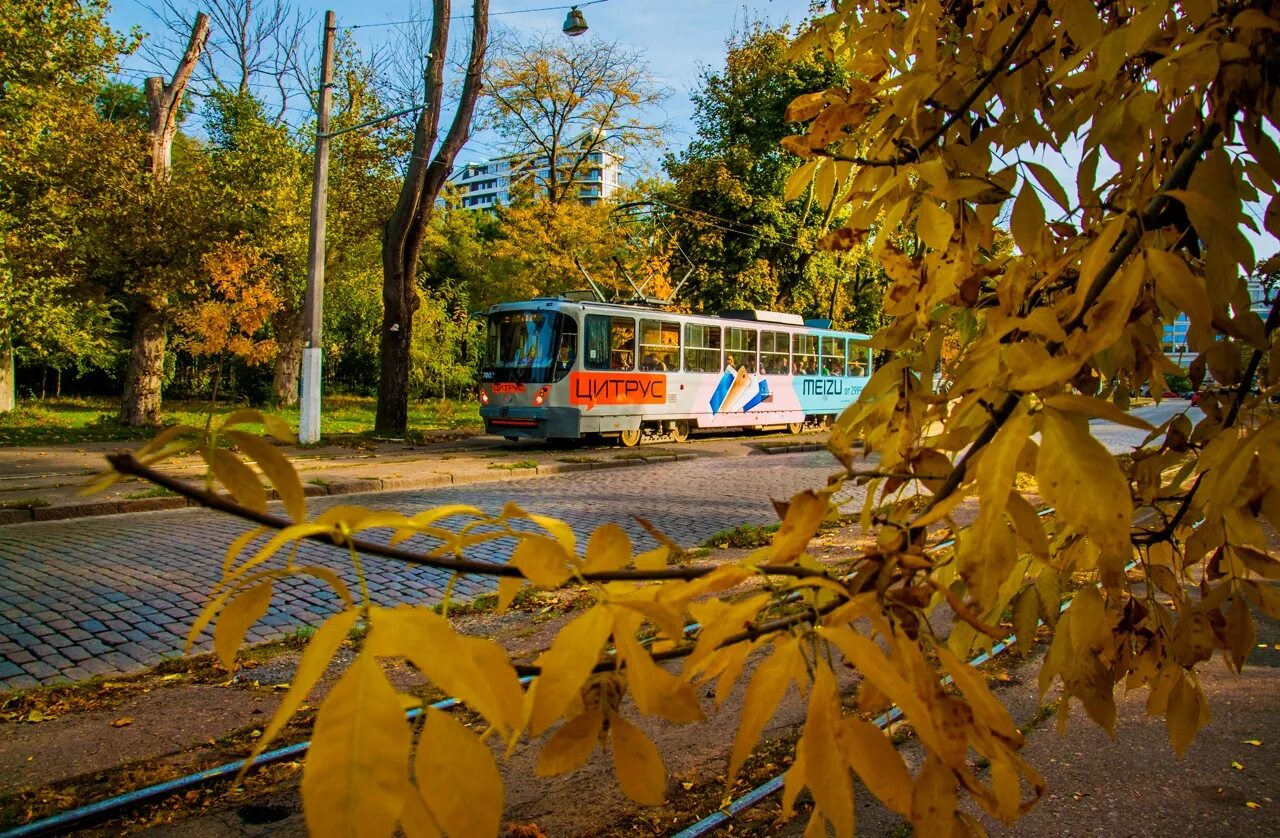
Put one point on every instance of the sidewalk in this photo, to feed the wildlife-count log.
(43, 483)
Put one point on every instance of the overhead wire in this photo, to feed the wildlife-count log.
(468, 17)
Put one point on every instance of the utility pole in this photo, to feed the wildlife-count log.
(309, 422)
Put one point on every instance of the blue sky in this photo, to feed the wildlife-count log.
(678, 36)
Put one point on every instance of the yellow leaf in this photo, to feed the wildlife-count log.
(238, 546)
(571, 745)
(354, 778)
(273, 425)
(566, 666)
(867, 658)
(1050, 184)
(655, 559)
(720, 622)
(1254, 742)
(656, 691)
(236, 619)
(933, 802)
(315, 660)
(824, 771)
(1027, 221)
(1241, 632)
(1028, 524)
(608, 549)
(1182, 716)
(1250, 804)
(561, 531)
(508, 587)
(124, 722)
(415, 820)
(161, 439)
(998, 464)
(798, 180)
(987, 709)
(238, 479)
(1026, 617)
(869, 752)
(804, 513)
(1092, 406)
(475, 670)
(640, 771)
(542, 560)
(458, 778)
(278, 469)
(767, 687)
(1080, 478)
(934, 225)
(1174, 279)
(1239, 766)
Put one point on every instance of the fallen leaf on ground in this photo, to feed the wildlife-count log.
(1252, 805)
(125, 722)
(1254, 742)
(1237, 766)
(37, 716)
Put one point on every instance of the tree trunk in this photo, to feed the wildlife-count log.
(288, 329)
(146, 368)
(405, 230)
(8, 386)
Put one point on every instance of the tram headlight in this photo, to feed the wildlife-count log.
(484, 397)
(541, 396)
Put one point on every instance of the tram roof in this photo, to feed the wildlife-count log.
(758, 316)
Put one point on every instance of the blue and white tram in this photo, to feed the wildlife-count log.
(558, 368)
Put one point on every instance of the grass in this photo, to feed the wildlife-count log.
(346, 419)
(577, 459)
(743, 536)
(515, 465)
(153, 492)
(24, 503)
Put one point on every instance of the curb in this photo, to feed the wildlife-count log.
(344, 486)
(794, 449)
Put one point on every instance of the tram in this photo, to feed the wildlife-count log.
(557, 368)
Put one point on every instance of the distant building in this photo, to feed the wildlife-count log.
(1174, 338)
(486, 185)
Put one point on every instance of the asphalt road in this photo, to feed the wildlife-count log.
(109, 595)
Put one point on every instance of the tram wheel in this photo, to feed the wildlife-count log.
(629, 439)
(680, 431)
(795, 427)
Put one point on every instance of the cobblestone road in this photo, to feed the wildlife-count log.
(110, 595)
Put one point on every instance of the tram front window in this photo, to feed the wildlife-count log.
(531, 347)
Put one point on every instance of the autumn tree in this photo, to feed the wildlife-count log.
(428, 167)
(559, 104)
(1141, 572)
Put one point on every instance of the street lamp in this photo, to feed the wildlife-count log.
(574, 23)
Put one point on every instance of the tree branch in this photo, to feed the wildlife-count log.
(127, 464)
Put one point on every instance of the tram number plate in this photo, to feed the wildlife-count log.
(593, 388)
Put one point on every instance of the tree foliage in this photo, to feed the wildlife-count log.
(1170, 548)
(735, 209)
(561, 102)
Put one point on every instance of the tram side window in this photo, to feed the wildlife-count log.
(701, 348)
(775, 354)
(659, 346)
(740, 349)
(804, 354)
(832, 356)
(859, 359)
(610, 343)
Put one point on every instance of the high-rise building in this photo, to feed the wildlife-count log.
(487, 184)
(1174, 337)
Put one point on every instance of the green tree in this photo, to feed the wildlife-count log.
(754, 245)
(56, 158)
